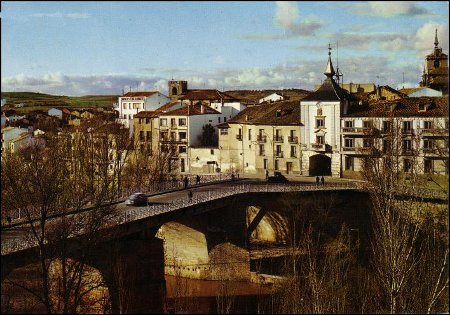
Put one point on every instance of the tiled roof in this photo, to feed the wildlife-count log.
(390, 89)
(279, 113)
(410, 90)
(146, 114)
(212, 95)
(191, 110)
(133, 94)
(166, 107)
(405, 107)
(328, 91)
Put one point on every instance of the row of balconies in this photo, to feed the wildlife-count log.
(171, 140)
(173, 126)
(279, 154)
(263, 139)
(374, 131)
(372, 150)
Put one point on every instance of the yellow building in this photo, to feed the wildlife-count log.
(262, 138)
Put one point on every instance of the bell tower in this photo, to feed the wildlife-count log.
(177, 89)
(435, 75)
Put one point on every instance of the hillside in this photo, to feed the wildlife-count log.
(34, 101)
(252, 96)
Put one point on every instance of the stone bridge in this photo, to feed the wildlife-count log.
(203, 238)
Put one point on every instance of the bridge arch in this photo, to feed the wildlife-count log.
(319, 165)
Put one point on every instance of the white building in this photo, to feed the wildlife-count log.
(55, 112)
(134, 102)
(181, 129)
(271, 98)
(12, 136)
(320, 115)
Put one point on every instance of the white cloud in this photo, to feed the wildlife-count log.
(424, 37)
(286, 13)
(388, 8)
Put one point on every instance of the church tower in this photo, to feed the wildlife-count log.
(435, 75)
(177, 89)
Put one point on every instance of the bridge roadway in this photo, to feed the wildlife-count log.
(17, 238)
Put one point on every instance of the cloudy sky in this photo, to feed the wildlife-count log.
(81, 48)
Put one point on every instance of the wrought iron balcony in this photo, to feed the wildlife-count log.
(279, 154)
(278, 139)
(293, 139)
(261, 138)
(319, 147)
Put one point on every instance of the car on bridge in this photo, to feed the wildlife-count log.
(137, 199)
(277, 178)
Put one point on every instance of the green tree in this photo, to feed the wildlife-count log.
(209, 137)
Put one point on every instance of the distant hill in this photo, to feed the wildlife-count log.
(252, 96)
(34, 101)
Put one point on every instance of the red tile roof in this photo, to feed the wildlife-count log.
(191, 110)
(279, 113)
(206, 94)
(166, 107)
(405, 107)
(146, 114)
(133, 94)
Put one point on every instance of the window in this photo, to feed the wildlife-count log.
(147, 120)
(212, 151)
(407, 146)
(427, 124)
(428, 165)
(367, 124)
(367, 143)
(164, 135)
(173, 136)
(124, 105)
(141, 135)
(265, 164)
(387, 126)
(293, 151)
(276, 165)
(348, 123)
(320, 140)
(218, 119)
(182, 136)
(261, 149)
(319, 112)
(224, 119)
(386, 146)
(172, 122)
(136, 105)
(349, 163)
(249, 134)
(422, 108)
(163, 121)
(407, 126)
(182, 149)
(223, 131)
(182, 121)
(320, 123)
(348, 143)
(148, 135)
(428, 144)
(407, 165)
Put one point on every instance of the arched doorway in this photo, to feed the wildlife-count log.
(319, 164)
(174, 91)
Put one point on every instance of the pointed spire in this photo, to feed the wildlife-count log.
(329, 72)
(436, 42)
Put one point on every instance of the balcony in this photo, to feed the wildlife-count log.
(320, 147)
(429, 151)
(173, 140)
(407, 151)
(355, 130)
(261, 138)
(433, 132)
(262, 153)
(293, 139)
(279, 154)
(293, 155)
(239, 137)
(407, 132)
(278, 139)
(173, 126)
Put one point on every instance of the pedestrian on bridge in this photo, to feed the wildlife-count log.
(186, 182)
(198, 180)
(322, 180)
(317, 180)
(190, 195)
